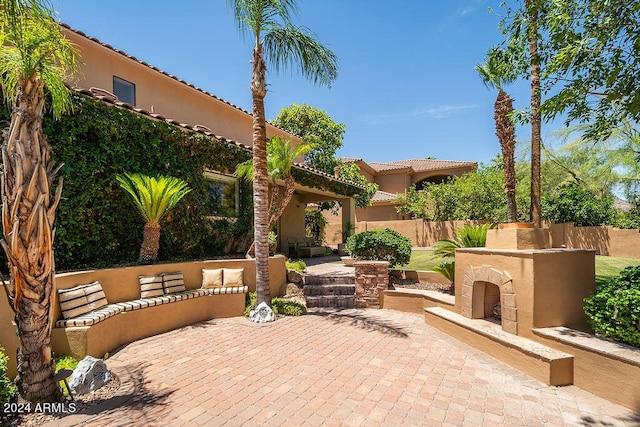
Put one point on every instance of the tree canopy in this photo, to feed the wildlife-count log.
(315, 127)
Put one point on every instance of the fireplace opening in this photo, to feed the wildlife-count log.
(486, 302)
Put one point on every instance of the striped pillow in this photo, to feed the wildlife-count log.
(73, 302)
(173, 282)
(95, 296)
(81, 300)
(150, 286)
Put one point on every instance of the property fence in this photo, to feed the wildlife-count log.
(605, 240)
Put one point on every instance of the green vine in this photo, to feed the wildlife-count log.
(96, 226)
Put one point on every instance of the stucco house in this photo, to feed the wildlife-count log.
(397, 177)
(394, 178)
(125, 81)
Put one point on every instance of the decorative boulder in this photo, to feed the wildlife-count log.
(89, 375)
(262, 314)
(294, 277)
(290, 289)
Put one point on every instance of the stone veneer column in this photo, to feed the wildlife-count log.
(372, 278)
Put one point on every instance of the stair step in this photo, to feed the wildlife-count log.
(312, 290)
(329, 280)
(333, 301)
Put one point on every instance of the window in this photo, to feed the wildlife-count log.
(124, 90)
(223, 195)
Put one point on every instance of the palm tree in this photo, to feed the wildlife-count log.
(532, 11)
(281, 156)
(34, 55)
(153, 197)
(496, 72)
(269, 24)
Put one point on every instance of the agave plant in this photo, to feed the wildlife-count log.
(469, 236)
(154, 197)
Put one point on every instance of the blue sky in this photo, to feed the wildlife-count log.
(406, 85)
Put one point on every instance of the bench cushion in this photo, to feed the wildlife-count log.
(227, 290)
(164, 299)
(91, 318)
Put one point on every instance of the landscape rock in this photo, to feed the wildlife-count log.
(89, 375)
(289, 289)
(299, 298)
(262, 314)
(294, 277)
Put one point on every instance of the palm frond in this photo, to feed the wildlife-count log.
(153, 197)
(473, 236)
(447, 269)
(445, 248)
(35, 45)
(289, 45)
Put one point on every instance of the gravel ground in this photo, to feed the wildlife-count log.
(43, 415)
(398, 283)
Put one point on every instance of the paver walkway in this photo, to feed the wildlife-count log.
(349, 367)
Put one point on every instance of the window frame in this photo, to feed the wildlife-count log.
(210, 176)
(126, 82)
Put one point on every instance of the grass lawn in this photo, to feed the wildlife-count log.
(606, 267)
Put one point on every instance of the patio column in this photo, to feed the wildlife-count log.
(348, 213)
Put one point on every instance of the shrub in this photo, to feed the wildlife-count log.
(279, 306)
(573, 203)
(8, 389)
(65, 362)
(613, 310)
(298, 265)
(469, 236)
(380, 245)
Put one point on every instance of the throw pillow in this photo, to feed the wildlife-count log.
(151, 286)
(211, 278)
(173, 282)
(95, 296)
(232, 277)
(81, 300)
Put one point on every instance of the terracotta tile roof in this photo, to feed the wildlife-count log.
(109, 98)
(382, 167)
(423, 165)
(383, 196)
(146, 64)
(350, 159)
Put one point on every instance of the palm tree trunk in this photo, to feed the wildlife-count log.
(150, 242)
(28, 215)
(260, 178)
(277, 211)
(505, 130)
(273, 204)
(536, 121)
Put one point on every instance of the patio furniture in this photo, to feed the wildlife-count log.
(306, 248)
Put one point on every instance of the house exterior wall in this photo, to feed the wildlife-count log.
(163, 95)
(395, 183)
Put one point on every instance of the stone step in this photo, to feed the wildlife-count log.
(332, 301)
(329, 280)
(312, 290)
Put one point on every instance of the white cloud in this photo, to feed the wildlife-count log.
(439, 112)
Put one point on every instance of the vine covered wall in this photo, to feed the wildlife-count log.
(97, 225)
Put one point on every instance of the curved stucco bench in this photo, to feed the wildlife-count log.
(129, 318)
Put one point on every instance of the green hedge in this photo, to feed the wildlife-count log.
(382, 244)
(97, 225)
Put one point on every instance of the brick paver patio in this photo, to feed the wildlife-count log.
(350, 367)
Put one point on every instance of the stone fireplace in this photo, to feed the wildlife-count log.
(488, 294)
(534, 285)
